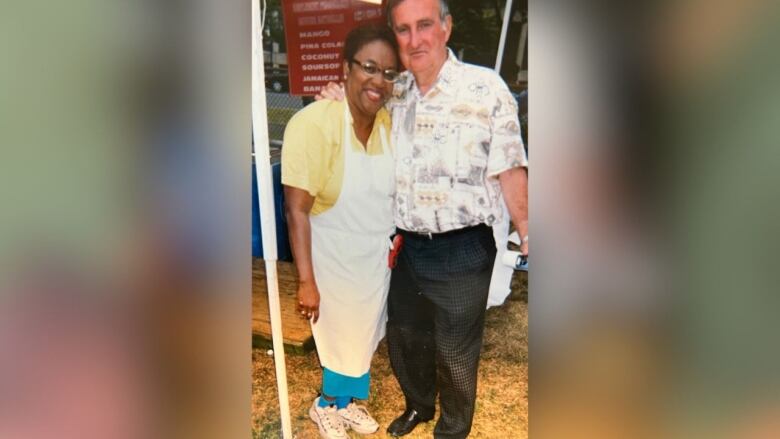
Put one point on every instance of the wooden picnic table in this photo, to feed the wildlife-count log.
(296, 331)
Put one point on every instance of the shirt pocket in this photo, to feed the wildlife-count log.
(471, 153)
(472, 139)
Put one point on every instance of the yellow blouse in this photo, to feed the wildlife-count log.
(312, 151)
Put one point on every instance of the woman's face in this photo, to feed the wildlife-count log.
(367, 92)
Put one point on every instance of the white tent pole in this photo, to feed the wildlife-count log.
(265, 196)
(502, 40)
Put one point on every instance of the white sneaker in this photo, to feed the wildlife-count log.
(327, 420)
(357, 417)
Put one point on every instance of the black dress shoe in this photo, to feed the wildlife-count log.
(405, 423)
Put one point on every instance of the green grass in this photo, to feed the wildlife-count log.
(502, 388)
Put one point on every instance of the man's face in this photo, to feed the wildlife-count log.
(421, 34)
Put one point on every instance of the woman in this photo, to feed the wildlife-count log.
(338, 168)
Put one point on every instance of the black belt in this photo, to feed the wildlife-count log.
(447, 234)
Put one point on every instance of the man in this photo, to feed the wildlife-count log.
(457, 137)
(458, 150)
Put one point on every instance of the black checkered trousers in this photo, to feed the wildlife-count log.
(436, 315)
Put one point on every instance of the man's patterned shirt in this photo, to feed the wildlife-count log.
(451, 145)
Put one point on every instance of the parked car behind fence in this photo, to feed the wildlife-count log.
(277, 80)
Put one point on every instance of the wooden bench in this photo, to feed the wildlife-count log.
(296, 331)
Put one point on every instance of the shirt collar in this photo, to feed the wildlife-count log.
(448, 76)
(446, 81)
(382, 116)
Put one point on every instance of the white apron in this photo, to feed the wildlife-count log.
(350, 244)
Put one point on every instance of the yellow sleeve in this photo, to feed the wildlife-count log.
(304, 155)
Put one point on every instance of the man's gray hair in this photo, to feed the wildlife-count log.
(444, 10)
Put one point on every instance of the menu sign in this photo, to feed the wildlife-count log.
(315, 32)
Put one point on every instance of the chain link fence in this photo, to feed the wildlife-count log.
(281, 104)
(281, 107)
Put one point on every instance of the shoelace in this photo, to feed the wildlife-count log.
(329, 417)
(359, 410)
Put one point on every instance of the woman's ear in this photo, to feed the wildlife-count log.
(346, 69)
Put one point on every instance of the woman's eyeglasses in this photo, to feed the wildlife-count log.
(372, 69)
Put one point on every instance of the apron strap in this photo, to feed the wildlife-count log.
(347, 128)
(385, 143)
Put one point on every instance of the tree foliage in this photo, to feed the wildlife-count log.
(476, 29)
(274, 24)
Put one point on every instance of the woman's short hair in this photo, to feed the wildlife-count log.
(368, 33)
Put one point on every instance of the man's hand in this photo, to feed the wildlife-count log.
(309, 301)
(332, 91)
(524, 248)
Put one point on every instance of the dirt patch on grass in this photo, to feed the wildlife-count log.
(502, 392)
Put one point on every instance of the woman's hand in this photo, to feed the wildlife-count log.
(298, 205)
(309, 301)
